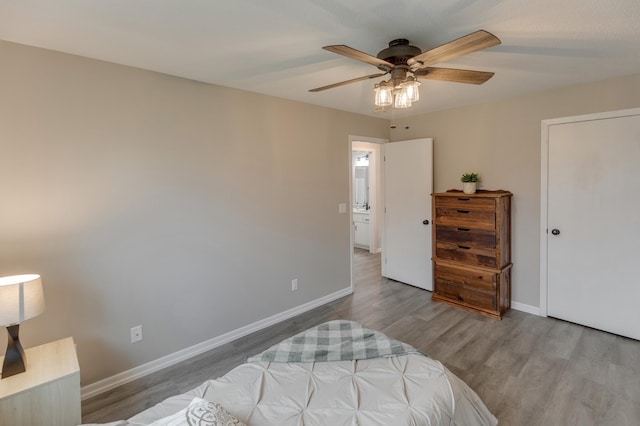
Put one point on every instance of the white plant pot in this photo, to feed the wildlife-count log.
(469, 187)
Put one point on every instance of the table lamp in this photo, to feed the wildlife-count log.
(21, 298)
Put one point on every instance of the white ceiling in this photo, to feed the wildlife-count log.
(274, 46)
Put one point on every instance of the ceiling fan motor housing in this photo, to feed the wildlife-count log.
(398, 52)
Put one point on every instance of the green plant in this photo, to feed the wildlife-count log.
(470, 177)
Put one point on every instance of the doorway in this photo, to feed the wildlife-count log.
(406, 244)
(365, 193)
(373, 146)
(362, 199)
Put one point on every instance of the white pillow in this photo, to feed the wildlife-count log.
(200, 412)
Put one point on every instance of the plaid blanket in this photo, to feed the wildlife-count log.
(337, 340)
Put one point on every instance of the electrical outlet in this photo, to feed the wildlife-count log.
(294, 284)
(136, 334)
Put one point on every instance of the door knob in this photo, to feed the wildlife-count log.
(555, 231)
(425, 222)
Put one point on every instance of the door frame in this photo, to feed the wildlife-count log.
(544, 187)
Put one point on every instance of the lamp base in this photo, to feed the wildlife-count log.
(15, 361)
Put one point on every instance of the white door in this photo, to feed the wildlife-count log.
(593, 238)
(408, 184)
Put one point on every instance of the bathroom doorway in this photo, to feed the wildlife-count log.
(366, 193)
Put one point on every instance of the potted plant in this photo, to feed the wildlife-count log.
(469, 182)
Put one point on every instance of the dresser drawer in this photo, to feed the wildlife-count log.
(468, 237)
(476, 279)
(469, 203)
(466, 218)
(462, 294)
(466, 254)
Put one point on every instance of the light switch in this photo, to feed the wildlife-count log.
(342, 208)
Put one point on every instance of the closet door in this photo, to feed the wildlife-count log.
(593, 237)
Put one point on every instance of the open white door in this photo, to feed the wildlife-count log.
(408, 184)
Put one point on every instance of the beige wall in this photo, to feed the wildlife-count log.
(147, 199)
(501, 141)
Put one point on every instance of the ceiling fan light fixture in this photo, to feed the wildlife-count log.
(384, 94)
(401, 95)
(401, 59)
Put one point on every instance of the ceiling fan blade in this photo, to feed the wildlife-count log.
(342, 83)
(464, 45)
(454, 75)
(352, 53)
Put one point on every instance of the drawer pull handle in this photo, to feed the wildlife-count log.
(463, 211)
(464, 247)
(463, 199)
(460, 298)
(464, 229)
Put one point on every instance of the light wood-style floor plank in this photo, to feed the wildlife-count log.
(529, 370)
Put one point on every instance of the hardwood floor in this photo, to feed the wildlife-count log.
(528, 370)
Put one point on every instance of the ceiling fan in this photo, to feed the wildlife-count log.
(401, 59)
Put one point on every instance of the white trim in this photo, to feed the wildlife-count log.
(596, 116)
(369, 139)
(544, 182)
(534, 310)
(544, 186)
(119, 379)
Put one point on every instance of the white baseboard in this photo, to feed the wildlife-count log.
(534, 310)
(119, 379)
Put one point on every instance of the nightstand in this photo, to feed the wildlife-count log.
(48, 393)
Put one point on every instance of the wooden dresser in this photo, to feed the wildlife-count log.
(472, 250)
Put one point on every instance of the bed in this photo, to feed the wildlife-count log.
(337, 373)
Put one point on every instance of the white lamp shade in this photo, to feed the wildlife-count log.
(384, 95)
(21, 298)
(411, 86)
(402, 99)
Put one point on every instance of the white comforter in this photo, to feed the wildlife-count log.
(402, 390)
